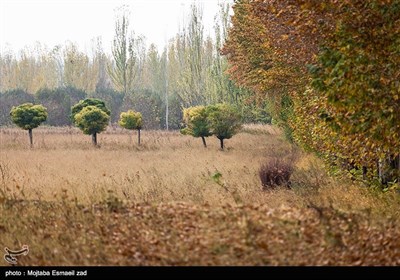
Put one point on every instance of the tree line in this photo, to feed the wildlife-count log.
(189, 71)
(330, 72)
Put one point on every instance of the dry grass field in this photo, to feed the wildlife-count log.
(172, 202)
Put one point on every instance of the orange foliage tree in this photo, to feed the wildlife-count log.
(337, 61)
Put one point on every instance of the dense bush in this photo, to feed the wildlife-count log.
(276, 172)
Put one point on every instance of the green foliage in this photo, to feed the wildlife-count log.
(196, 122)
(131, 120)
(217, 177)
(256, 114)
(88, 102)
(28, 116)
(91, 120)
(224, 120)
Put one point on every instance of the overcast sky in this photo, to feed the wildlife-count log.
(53, 22)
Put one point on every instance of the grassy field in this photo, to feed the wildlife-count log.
(172, 202)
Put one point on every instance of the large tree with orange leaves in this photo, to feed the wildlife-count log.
(337, 61)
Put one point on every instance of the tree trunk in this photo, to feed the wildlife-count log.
(222, 143)
(395, 166)
(138, 137)
(204, 141)
(94, 139)
(381, 171)
(364, 172)
(30, 137)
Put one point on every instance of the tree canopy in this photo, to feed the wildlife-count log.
(131, 120)
(91, 116)
(91, 120)
(28, 116)
(89, 102)
(224, 121)
(196, 123)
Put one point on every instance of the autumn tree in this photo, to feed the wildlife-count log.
(122, 71)
(79, 71)
(28, 116)
(196, 123)
(100, 62)
(254, 62)
(355, 85)
(91, 116)
(224, 121)
(190, 53)
(31, 69)
(336, 64)
(58, 102)
(131, 120)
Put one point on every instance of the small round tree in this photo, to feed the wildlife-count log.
(92, 120)
(91, 116)
(224, 121)
(28, 116)
(131, 120)
(196, 123)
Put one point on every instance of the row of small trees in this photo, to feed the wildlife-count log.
(221, 120)
(90, 115)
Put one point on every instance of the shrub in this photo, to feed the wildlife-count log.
(276, 172)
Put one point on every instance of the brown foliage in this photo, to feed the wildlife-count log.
(275, 172)
(346, 105)
(188, 234)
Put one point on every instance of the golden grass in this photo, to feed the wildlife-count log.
(172, 202)
(166, 167)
